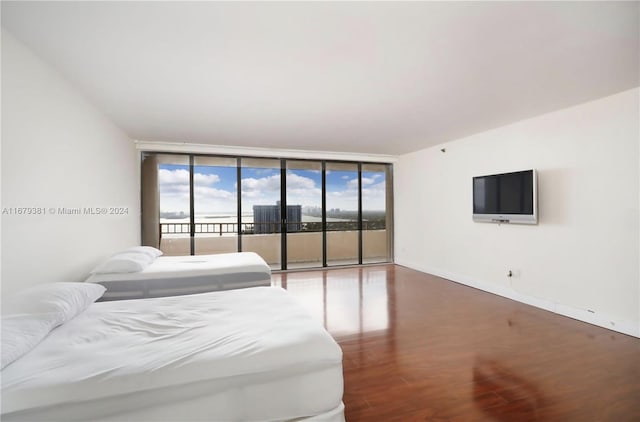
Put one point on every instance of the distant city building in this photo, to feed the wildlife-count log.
(312, 210)
(266, 218)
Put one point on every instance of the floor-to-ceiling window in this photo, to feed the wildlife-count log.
(304, 214)
(376, 213)
(342, 207)
(260, 197)
(173, 176)
(294, 213)
(215, 205)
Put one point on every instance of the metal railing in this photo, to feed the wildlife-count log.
(265, 227)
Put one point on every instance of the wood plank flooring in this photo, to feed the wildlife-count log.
(421, 348)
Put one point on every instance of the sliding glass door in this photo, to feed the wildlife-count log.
(215, 205)
(376, 213)
(293, 213)
(260, 196)
(173, 185)
(304, 214)
(342, 207)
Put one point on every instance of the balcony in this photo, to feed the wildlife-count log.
(304, 241)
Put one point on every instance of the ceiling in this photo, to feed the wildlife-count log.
(364, 77)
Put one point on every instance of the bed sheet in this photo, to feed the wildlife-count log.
(170, 349)
(180, 275)
(240, 399)
(195, 265)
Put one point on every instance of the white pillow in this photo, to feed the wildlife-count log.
(125, 262)
(23, 332)
(30, 315)
(66, 300)
(147, 250)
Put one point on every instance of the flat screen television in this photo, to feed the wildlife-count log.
(506, 198)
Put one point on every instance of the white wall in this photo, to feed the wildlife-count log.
(581, 260)
(59, 151)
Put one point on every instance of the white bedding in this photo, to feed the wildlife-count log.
(175, 275)
(123, 357)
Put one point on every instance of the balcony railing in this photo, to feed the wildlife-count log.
(222, 229)
(304, 249)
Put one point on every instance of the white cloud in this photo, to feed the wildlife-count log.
(373, 195)
(200, 179)
(261, 191)
(368, 181)
(204, 192)
(172, 177)
(266, 190)
(174, 188)
(181, 177)
(379, 189)
(254, 186)
(295, 181)
(174, 192)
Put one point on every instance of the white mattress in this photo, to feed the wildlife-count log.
(179, 275)
(250, 354)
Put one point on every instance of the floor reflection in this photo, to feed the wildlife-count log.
(492, 379)
(418, 347)
(348, 303)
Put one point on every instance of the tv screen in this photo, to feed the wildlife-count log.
(506, 198)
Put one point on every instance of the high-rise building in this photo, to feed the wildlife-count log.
(267, 218)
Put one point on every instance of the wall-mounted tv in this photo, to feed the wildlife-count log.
(506, 198)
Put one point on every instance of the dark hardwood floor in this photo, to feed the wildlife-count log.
(418, 347)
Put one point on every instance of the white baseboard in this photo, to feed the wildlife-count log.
(605, 321)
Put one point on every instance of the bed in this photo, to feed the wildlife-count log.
(180, 275)
(240, 355)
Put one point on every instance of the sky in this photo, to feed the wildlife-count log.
(215, 188)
